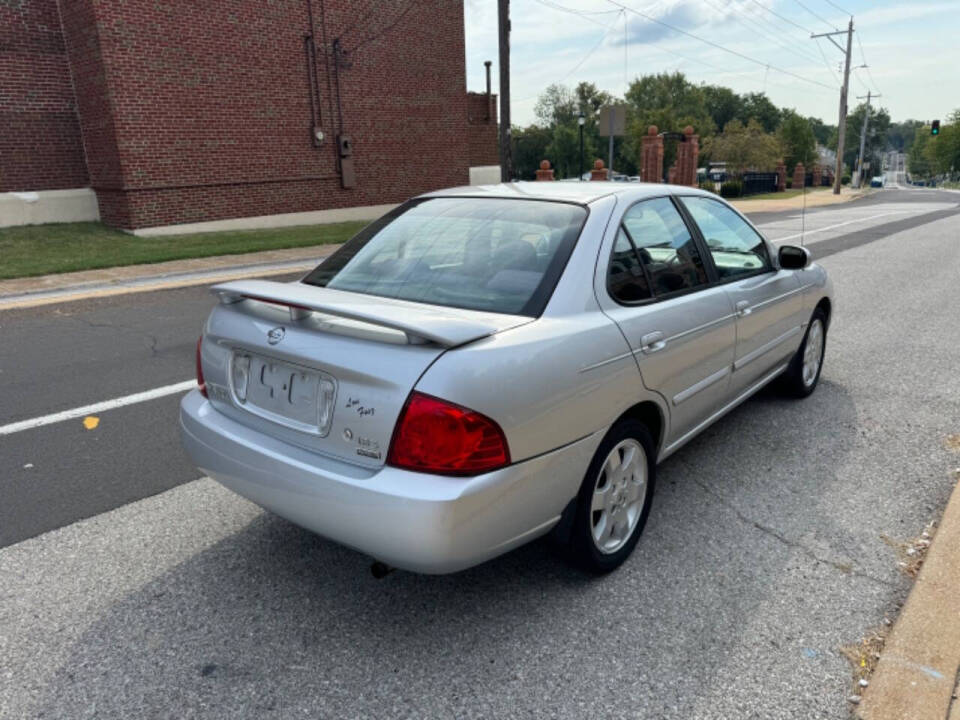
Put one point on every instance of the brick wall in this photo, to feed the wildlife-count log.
(482, 129)
(201, 111)
(40, 147)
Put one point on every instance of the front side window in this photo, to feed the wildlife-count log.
(736, 247)
(499, 255)
(664, 246)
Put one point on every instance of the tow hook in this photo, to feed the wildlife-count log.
(380, 570)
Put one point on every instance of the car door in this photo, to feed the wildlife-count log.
(656, 287)
(767, 300)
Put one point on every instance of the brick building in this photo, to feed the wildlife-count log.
(174, 111)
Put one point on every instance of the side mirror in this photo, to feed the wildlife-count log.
(793, 257)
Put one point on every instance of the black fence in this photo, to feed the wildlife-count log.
(755, 183)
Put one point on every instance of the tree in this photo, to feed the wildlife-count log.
(876, 140)
(564, 150)
(529, 148)
(759, 107)
(556, 104)
(669, 101)
(900, 135)
(745, 147)
(722, 103)
(821, 130)
(797, 140)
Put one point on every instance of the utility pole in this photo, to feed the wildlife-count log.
(863, 139)
(842, 126)
(503, 21)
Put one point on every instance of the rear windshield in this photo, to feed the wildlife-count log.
(499, 255)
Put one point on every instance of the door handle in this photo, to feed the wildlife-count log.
(743, 308)
(651, 342)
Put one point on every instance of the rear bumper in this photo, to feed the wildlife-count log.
(419, 522)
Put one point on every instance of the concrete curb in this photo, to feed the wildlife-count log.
(916, 677)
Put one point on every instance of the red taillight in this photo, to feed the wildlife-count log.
(200, 383)
(439, 437)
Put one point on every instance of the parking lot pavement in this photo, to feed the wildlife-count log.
(769, 548)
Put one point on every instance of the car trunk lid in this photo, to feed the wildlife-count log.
(325, 369)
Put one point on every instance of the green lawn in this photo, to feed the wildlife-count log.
(65, 247)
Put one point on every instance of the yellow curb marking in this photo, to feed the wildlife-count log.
(91, 421)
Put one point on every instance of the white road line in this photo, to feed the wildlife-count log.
(98, 407)
(848, 222)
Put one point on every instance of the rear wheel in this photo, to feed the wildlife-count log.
(803, 373)
(614, 499)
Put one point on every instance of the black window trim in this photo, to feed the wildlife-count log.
(702, 242)
(694, 235)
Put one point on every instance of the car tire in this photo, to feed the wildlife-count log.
(803, 373)
(614, 499)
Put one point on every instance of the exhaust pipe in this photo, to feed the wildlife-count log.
(380, 570)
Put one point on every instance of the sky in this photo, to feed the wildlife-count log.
(910, 47)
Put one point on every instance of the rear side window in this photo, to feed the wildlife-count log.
(499, 255)
(735, 247)
(626, 278)
(664, 247)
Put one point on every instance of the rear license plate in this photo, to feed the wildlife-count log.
(295, 396)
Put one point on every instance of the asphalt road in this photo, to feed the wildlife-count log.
(768, 548)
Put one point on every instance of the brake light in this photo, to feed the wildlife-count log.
(435, 436)
(200, 383)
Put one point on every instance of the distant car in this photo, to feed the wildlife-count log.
(485, 365)
(877, 181)
(634, 178)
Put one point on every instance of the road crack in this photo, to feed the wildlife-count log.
(845, 568)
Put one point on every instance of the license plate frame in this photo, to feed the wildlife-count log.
(289, 394)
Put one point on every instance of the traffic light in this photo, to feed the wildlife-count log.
(935, 127)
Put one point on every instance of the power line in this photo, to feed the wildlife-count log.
(755, 26)
(782, 17)
(867, 66)
(830, 2)
(718, 46)
(818, 17)
(825, 61)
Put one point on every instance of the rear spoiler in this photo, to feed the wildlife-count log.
(421, 323)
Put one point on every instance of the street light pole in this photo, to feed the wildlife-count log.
(863, 139)
(580, 121)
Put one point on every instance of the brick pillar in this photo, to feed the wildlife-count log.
(817, 176)
(544, 173)
(799, 176)
(781, 176)
(688, 152)
(599, 172)
(651, 156)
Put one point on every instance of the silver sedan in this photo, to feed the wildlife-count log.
(486, 365)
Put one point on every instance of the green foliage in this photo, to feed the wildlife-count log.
(797, 140)
(731, 188)
(821, 131)
(529, 148)
(669, 101)
(745, 147)
(934, 155)
(757, 106)
(876, 141)
(722, 103)
(845, 179)
(900, 135)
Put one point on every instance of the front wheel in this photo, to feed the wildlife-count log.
(803, 373)
(614, 499)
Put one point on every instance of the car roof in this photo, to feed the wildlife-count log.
(578, 192)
